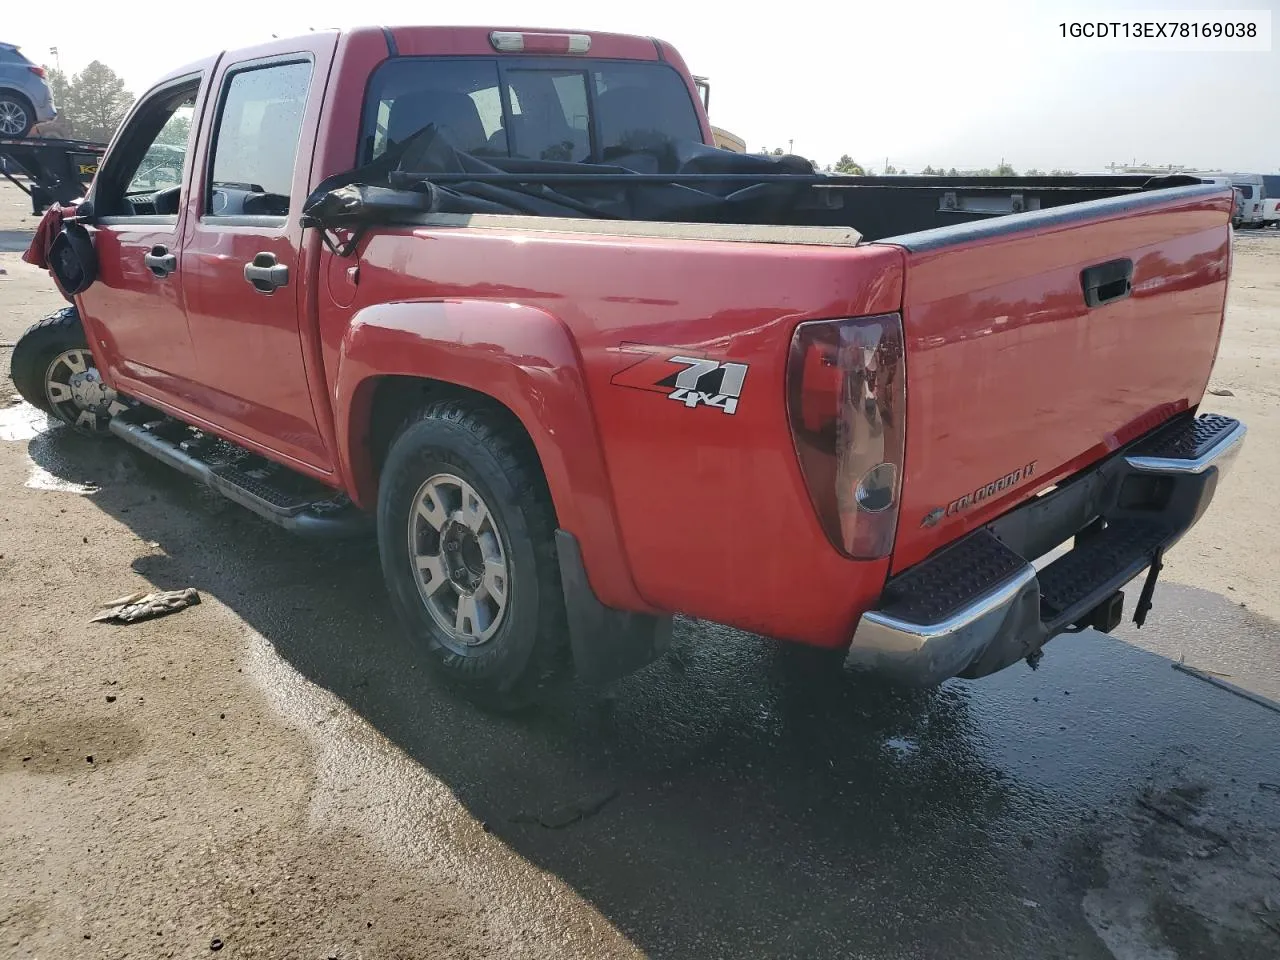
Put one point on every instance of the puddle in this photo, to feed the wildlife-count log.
(22, 422)
(903, 748)
(42, 479)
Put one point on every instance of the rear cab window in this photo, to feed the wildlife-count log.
(529, 108)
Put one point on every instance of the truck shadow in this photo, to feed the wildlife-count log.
(15, 241)
(734, 799)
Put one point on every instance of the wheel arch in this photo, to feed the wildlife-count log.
(521, 360)
(14, 93)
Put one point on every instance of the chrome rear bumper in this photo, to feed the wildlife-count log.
(979, 604)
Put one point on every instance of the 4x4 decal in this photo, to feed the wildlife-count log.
(693, 381)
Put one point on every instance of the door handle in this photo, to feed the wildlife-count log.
(160, 261)
(265, 273)
(1107, 282)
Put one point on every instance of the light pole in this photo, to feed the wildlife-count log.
(57, 60)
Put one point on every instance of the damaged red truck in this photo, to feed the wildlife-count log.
(493, 292)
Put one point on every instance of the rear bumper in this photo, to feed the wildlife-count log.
(980, 604)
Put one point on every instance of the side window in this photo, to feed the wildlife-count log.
(143, 174)
(256, 141)
(165, 160)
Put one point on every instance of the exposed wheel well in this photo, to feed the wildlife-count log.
(395, 398)
(8, 93)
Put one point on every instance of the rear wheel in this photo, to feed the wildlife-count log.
(54, 371)
(16, 115)
(466, 534)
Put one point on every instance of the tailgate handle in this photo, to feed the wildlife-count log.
(1107, 282)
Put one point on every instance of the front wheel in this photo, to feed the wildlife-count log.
(466, 534)
(54, 370)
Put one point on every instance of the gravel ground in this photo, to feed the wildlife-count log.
(270, 774)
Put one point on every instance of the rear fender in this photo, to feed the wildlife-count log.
(525, 359)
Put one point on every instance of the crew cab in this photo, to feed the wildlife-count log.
(496, 294)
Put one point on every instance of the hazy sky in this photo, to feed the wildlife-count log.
(961, 83)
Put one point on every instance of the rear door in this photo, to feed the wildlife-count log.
(135, 314)
(1038, 343)
(242, 268)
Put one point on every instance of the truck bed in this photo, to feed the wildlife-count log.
(691, 183)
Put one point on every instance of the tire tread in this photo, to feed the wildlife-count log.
(32, 353)
(548, 664)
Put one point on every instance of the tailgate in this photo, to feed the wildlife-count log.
(1029, 357)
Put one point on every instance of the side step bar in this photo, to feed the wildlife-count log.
(331, 515)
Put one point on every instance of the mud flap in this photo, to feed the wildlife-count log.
(606, 643)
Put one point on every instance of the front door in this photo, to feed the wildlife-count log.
(134, 314)
(242, 272)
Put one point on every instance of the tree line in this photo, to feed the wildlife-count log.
(91, 104)
(850, 167)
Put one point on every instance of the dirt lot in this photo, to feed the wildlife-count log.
(270, 774)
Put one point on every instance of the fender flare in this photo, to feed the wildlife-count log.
(525, 359)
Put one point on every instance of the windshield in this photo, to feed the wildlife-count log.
(529, 109)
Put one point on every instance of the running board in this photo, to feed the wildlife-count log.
(320, 512)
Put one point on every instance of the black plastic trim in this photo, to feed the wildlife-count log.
(327, 519)
(606, 643)
(392, 49)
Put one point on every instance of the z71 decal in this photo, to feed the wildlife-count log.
(693, 381)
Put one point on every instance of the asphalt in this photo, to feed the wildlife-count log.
(736, 799)
(741, 798)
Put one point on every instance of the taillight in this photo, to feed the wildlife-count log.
(510, 41)
(38, 71)
(846, 399)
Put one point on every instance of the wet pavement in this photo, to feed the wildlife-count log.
(743, 798)
(15, 241)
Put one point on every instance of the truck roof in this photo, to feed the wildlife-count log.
(423, 40)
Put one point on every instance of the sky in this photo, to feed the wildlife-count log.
(965, 83)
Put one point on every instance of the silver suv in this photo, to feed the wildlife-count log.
(25, 97)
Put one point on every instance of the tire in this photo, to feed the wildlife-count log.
(15, 109)
(515, 650)
(43, 376)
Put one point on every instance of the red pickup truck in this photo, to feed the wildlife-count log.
(440, 281)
